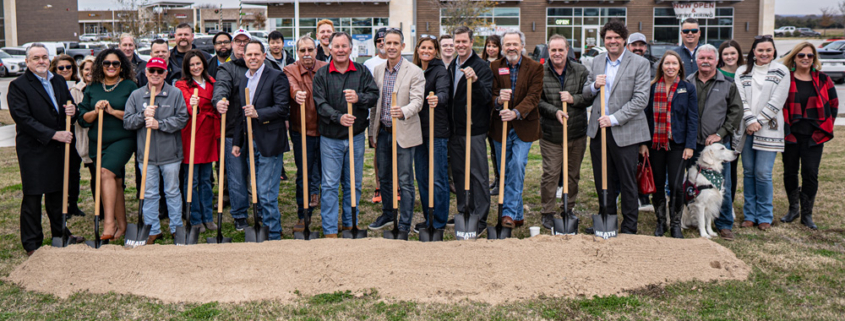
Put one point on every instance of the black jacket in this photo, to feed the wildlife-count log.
(271, 102)
(140, 66)
(174, 73)
(177, 57)
(437, 80)
(225, 86)
(482, 95)
(213, 67)
(321, 55)
(36, 119)
(330, 100)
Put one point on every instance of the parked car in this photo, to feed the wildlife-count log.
(144, 53)
(260, 34)
(95, 47)
(76, 51)
(89, 37)
(205, 43)
(828, 41)
(53, 48)
(838, 45)
(17, 52)
(587, 57)
(12, 65)
(807, 32)
(833, 64)
(782, 31)
(657, 50)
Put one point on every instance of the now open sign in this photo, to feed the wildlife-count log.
(698, 10)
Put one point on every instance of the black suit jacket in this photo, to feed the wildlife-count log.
(271, 102)
(40, 157)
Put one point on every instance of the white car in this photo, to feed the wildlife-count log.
(587, 57)
(16, 52)
(783, 30)
(144, 53)
(11, 65)
(89, 37)
(833, 64)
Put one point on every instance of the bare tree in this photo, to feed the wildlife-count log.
(826, 18)
(470, 13)
(128, 16)
(260, 21)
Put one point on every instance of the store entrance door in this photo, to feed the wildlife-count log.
(590, 37)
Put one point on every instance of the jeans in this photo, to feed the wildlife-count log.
(334, 155)
(757, 177)
(312, 145)
(202, 197)
(170, 175)
(268, 172)
(404, 177)
(238, 179)
(441, 179)
(726, 219)
(516, 158)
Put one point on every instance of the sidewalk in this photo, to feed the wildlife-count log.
(7, 136)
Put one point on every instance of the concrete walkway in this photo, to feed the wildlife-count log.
(7, 136)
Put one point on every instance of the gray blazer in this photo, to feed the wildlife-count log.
(628, 98)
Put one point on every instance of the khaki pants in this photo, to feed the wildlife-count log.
(552, 166)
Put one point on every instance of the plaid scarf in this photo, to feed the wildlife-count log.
(820, 110)
(663, 114)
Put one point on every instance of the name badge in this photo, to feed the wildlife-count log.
(681, 90)
(504, 71)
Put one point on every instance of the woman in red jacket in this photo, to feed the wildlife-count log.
(195, 76)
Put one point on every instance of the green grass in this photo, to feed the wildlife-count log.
(798, 274)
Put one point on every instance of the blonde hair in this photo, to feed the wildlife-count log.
(87, 59)
(789, 59)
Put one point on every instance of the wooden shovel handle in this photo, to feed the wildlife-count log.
(251, 153)
(97, 186)
(393, 158)
(565, 152)
(220, 174)
(191, 150)
(351, 159)
(469, 135)
(65, 178)
(431, 154)
(304, 161)
(146, 160)
(603, 145)
(502, 159)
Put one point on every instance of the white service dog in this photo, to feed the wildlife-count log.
(702, 211)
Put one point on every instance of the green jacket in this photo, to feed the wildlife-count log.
(576, 76)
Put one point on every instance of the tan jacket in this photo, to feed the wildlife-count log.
(79, 132)
(409, 88)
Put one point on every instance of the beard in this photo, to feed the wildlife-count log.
(223, 53)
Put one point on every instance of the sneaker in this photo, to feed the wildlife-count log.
(420, 226)
(450, 222)
(559, 193)
(377, 197)
(726, 234)
(381, 222)
(202, 229)
(210, 226)
(548, 221)
(240, 224)
(644, 205)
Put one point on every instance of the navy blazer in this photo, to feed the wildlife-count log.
(271, 102)
(684, 114)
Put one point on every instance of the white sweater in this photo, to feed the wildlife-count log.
(763, 92)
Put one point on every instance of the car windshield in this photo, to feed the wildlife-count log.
(3, 54)
(836, 45)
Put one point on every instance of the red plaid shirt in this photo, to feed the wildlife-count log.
(821, 110)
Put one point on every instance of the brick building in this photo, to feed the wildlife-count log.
(37, 20)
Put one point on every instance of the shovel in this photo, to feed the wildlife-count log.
(136, 235)
(466, 224)
(193, 232)
(429, 233)
(257, 233)
(219, 239)
(567, 224)
(305, 234)
(395, 233)
(500, 232)
(604, 225)
(354, 233)
(65, 239)
(98, 185)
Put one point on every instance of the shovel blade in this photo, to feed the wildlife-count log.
(256, 235)
(213, 240)
(604, 226)
(492, 234)
(193, 235)
(396, 235)
(306, 236)
(466, 227)
(431, 235)
(181, 236)
(59, 242)
(566, 226)
(96, 243)
(355, 234)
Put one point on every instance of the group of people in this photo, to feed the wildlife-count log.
(667, 110)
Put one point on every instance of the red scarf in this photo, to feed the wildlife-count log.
(663, 114)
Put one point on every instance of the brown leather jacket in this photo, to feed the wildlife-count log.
(301, 79)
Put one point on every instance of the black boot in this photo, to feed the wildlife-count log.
(660, 211)
(793, 213)
(675, 217)
(494, 187)
(807, 211)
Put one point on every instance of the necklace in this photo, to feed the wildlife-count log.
(108, 90)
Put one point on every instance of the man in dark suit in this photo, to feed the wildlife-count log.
(267, 108)
(35, 102)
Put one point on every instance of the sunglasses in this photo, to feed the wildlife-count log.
(428, 36)
(805, 55)
(687, 31)
(768, 37)
(63, 68)
(305, 49)
(156, 71)
(107, 63)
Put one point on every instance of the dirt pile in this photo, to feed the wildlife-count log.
(485, 271)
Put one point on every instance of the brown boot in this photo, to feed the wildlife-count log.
(300, 226)
(153, 238)
(330, 236)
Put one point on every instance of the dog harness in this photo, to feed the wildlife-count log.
(691, 191)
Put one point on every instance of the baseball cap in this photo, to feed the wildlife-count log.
(241, 32)
(156, 63)
(634, 37)
(380, 33)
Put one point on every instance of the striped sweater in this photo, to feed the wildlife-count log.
(762, 102)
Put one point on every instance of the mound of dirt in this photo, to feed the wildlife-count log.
(485, 271)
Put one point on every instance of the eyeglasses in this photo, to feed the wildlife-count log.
(156, 71)
(305, 49)
(107, 63)
(687, 31)
(428, 36)
(223, 42)
(767, 37)
(805, 55)
(63, 68)
(241, 42)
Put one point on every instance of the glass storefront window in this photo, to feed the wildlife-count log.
(580, 26)
(713, 31)
(351, 25)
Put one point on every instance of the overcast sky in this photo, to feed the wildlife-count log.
(781, 6)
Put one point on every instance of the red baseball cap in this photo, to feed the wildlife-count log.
(156, 63)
